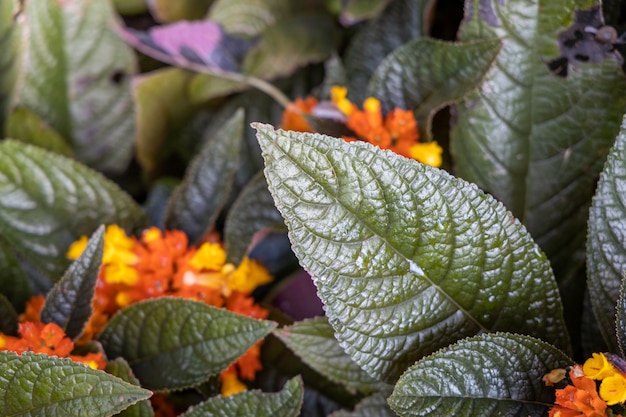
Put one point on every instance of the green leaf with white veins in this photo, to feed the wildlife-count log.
(10, 56)
(534, 139)
(406, 258)
(77, 78)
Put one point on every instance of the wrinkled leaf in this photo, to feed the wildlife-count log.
(120, 368)
(173, 343)
(289, 44)
(314, 342)
(27, 126)
(48, 201)
(285, 403)
(68, 304)
(13, 280)
(401, 22)
(8, 317)
(9, 59)
(51, 386)
(356, 10)
(253, 213)
(77, 78)
(406, 258)
(606, 242)
(373, 406)
(172, 11)
(535, 140)
(249, 18)
(196, 203)
(489, 375)
(454, 69)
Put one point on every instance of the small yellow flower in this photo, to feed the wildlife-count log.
(3, 342)
(77, 248)
(231, 384)
(119, 273)
(209, 256)
(613, 389)
(427, 153)
(249, 275)
(598, 367)
(118, 247)
(338, 97)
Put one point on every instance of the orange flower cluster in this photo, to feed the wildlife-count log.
(49, 339)
(162, 264)
(396, 131)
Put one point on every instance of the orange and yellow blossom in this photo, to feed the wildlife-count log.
(579, 399)
(613, 383)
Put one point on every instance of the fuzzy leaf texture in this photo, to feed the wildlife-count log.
(314, 342)
(196, 203)
(68, 304)
(58, 387)
(173, 343)
(406, 258)
(48, 201)
(488, 375)
(77, 78)
(120, 368)
(9, 60)
(285, 403)
(453, 70)
(606, 242)
(534, 139)
(252, 214)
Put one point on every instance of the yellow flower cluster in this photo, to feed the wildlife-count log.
(613, 383)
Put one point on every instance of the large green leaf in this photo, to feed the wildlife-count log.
(533, 139)
(314, 342)
(77, 78)
(120, 368)
(285, 403)
(39, 385)
(406, 258)
(249, 18)
(401, 22)
(9, 59)
(173, 343)
(373, 406)
(196, 203)
(29, 127)
(251, 214)
(48, 201)
(13, 280)
(454, 69)
(488, 375)
(68, 304)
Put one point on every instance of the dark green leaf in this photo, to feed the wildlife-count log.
(173, 343)
(249, 18)
(29, 127)
(285, 403)
(8, 317)
(401, 22)
(535, 140)
(68, 304)
(77, 78)
(289, 44)
(454, 69)
(373, 406)
(406, 258)
(489, 375)
(13, 280)
(48, 201)
(606, 242)
(120, 368)
(9, 59)
(357, 10)
(51, 386)
(314, 342)
(196, 203)
(253, 212)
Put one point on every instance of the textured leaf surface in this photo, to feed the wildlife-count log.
(373, 406)
(68, 304)
(196, 203)
(120, 368)
(9, 59)
(401, 22)
(173, 343)
(77, 78)
(406, 258)
(13, 281)
(48, 201)
(51, 386)
(253, 212)
(249, 18)
(291, 43)
(8, 317)
(535, 140)
(606, 243)
(29, 127)
(313, 340)
(454, 69)
(488, 375)
(285, 403)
